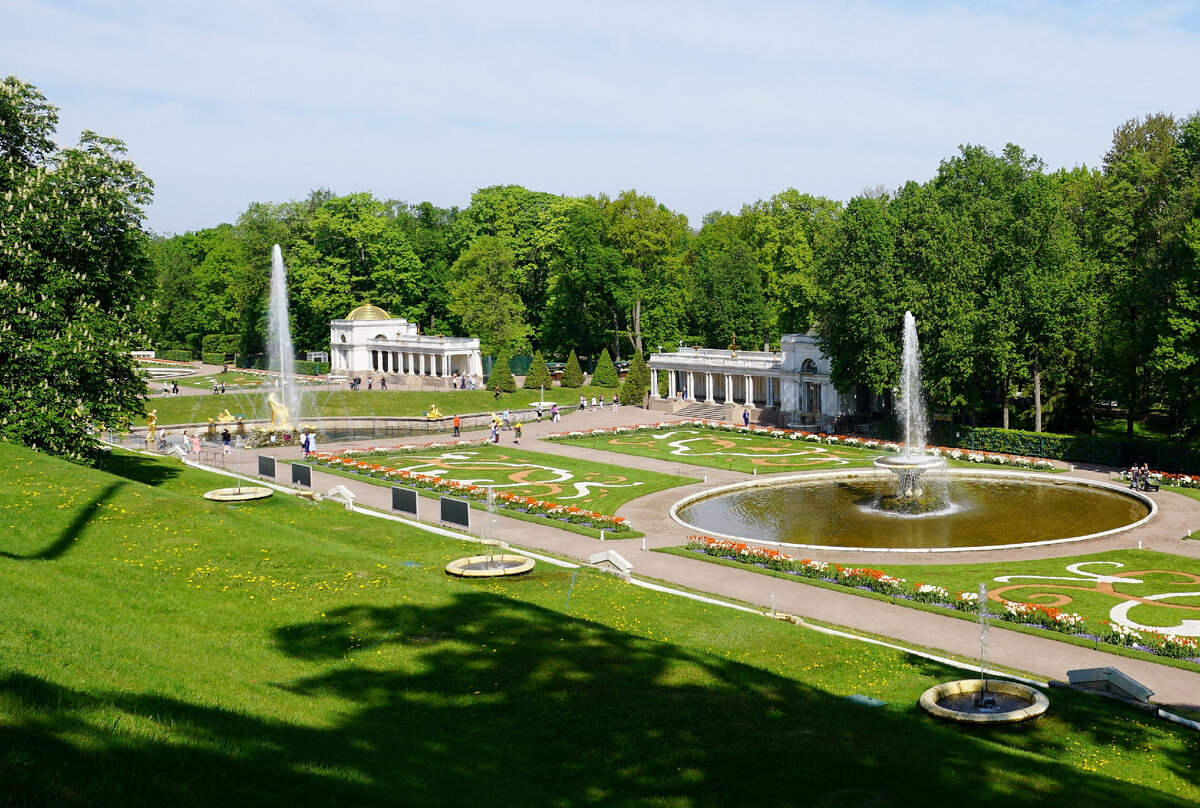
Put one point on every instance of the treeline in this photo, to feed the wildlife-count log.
(1037, 293)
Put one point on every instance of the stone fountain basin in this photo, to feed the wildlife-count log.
(1035, 699)
(489, 566)
(247, 493)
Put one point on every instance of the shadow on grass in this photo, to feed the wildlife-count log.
(485, 701)
(139, 468)
(71, 533)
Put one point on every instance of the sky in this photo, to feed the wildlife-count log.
(703, 105)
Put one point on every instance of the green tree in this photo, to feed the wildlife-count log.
(484, 297)
(572, 373)
(606, 372)
(501, 377)
(637, 382)
(72, 265)
(538, 375)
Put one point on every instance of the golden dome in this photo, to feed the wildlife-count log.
(368, 312)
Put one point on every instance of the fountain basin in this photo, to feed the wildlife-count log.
(989, 509)
(246, 493)
(953, 701)
(489, 566)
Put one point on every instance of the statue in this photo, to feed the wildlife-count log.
(280, 416)
(225, 417)
(433, 412)
(151, 424)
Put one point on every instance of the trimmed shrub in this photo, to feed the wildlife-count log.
(538, 375)
(219, 344)
(637, 382)
(572, 373)
(606, 372)
(306, 368)
(501, 377)
(212, 358)
(175, 356)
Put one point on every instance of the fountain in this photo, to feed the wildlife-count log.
(913, 495)
(983, 700)
(492, 565)
(920, 505)
(280, 356)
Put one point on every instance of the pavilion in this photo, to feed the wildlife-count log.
(370, 342)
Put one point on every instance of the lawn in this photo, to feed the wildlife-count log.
(252, 403)
(156, 649)
(748, 452)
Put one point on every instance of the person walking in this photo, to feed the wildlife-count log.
(383, 382)
(174, 388)
(539, 412)
(616, 402)
(216, 387)
(457, 424)
(554, 413)
(745, 416)
(517, 432)
(370, 381)
(166, 387)
(506, 421)
(225, 440)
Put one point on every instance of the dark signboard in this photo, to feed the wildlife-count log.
(302, 475)
(404, 500)
(266, 466)
(456, 512)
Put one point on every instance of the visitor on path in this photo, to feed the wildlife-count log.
(225, 439)
(517, 432)
(166, 387)
(304, 442)
(222, 388)
(175, 388)
(506, 423)
(595, 406)
(196, 443)
(539, 412)
(616, 402)
(185, 443)
(312, 442)
(224, 369)
(216, 387)
(582, 403)
(162, 441)
(745, 417)
(370, 381)
(383, 382)
(554, 414)
(457, 424)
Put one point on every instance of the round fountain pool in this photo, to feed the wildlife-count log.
(989, 509)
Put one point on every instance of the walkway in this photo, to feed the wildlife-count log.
(1042, 657)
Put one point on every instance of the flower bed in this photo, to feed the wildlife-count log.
(1166, 478)
(1046, 617)
(347, 460)
(812, 437)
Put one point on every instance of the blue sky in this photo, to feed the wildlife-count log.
(703, 105)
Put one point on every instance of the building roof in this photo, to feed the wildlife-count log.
(368, 312)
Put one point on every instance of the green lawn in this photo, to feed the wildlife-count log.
(747, 453)
(156, 649)
(252, 404)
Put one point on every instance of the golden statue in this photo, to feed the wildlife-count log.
(433, 412)
(225, 417)
(151, 424)
(280, 417)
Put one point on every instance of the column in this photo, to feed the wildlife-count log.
(654, 384)
(770, 391)
(749, 390)
(690, 388)
(411, 366)
(729, 389)
(708, 389)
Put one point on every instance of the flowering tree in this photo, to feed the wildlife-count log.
(72, 266)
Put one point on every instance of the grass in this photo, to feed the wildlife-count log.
(747, 453)
(252, 403)
(1071, 596)
(156, 649)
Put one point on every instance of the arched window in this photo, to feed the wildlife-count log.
(343, 337)
(808, 366)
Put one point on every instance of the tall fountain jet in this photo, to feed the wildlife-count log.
(912, 495)
(285, 400)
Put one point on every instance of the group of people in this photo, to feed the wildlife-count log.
(499, 423)
(462, 382)
(170, 388)
(553, 412)
(1139, 477)
(308, 442)
(218, 388)
(598, 403)
(356, 382)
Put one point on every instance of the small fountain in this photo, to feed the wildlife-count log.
(983, 700)
(280, 356)
(913, 494)
(491, 565)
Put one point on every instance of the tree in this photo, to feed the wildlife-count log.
(538, 375)
(483, 295)
(606, 372)
(72, 265)
(573, 373)
(501, 377)
(637, 382)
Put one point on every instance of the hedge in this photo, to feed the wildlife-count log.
(219, 344)
(306, 368)
(175, 356)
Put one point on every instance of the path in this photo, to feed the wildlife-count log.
(1040, 656)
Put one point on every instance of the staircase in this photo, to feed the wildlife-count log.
(709, 412)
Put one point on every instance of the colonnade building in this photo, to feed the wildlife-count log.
(370, 342)
(790, 386)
